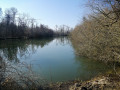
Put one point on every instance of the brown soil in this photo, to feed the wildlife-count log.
(109, 82)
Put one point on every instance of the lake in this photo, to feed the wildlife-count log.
(53, 59)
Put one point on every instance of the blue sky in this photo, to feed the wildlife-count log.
(50, 12)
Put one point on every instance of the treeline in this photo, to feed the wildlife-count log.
(98, 36)
(16, 25)
(62, 30)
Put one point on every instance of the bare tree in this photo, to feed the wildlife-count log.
(110, 9)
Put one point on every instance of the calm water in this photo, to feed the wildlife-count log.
(54, 59)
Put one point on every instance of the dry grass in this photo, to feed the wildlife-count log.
(17, 78)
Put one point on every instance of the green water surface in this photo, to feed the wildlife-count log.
(53, 59)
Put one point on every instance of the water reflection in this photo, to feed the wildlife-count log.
(90, 68)
(53, 58)
(12, 49)
(62, 41)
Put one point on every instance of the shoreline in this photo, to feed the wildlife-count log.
(107, 82)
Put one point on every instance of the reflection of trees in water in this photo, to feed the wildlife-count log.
(90, 68)
(19, 76)
(2, 70)
(11, 49)
(62, 41)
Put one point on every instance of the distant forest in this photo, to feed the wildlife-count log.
(14, 25)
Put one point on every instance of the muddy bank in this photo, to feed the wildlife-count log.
(108, 82)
